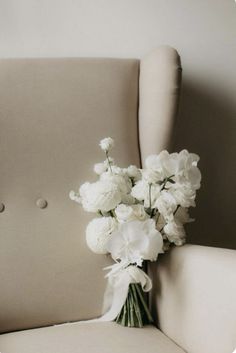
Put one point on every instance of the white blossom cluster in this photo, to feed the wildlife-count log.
(139, 212)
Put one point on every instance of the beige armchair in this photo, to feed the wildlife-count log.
(52, 114)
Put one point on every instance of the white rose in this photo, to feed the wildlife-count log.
(136, 241)
(175, 233)
(100, 168)
(98, 233)
(102, 195)
(107, 144)
(166, 204)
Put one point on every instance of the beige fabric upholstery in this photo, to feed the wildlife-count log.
(194, 295)
(53, 114)
(160, 79)
(90, 338)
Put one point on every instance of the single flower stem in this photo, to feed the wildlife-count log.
(108, 161)
(150, 195)
(176, 209)
(137, 287)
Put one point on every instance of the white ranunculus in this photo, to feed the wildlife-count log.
(100, 168)
(141, 191)
(175, 233)
(107, 144)
(125, 213)
(122, 182)
(102, 195)
(166, 204)
(98, 233)
(136, 241)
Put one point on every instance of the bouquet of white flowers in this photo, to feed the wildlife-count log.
(140, 214)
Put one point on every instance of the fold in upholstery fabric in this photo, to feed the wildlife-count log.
(90, 338)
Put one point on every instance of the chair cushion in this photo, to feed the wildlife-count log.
(88, 337)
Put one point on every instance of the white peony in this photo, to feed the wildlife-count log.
(175, 233)
(98, 233)
(102, 195)
(166, 204)
(125, 213)
(107, 144)
(136, 241)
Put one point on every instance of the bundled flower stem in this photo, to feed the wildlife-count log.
(135, 312)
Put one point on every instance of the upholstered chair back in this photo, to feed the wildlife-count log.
(53, 112)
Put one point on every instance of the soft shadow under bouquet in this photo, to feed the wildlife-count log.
(140, 213)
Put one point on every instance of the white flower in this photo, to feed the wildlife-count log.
(100, 168)
(156, 163)
(136, 241)
(142, 192)
(175, 233)
(188, 171)
(151, 176)
(102, 195)
(98, 233)
(184, 194)
(122, 182)
(133, 172)
(125, 213)
(166, 204)
(74, 196)
(107, 144)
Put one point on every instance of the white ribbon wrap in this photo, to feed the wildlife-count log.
(119, 279)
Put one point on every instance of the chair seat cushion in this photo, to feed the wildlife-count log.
(88, 338)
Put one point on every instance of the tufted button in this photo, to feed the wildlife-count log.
(41, 203)
(2, 207)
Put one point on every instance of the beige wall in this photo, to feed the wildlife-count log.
(203, 31)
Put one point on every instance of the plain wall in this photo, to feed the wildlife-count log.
(204, 33)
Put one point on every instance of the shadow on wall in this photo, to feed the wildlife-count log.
(207, 125)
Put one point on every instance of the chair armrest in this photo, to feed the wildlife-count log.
(194, 298)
